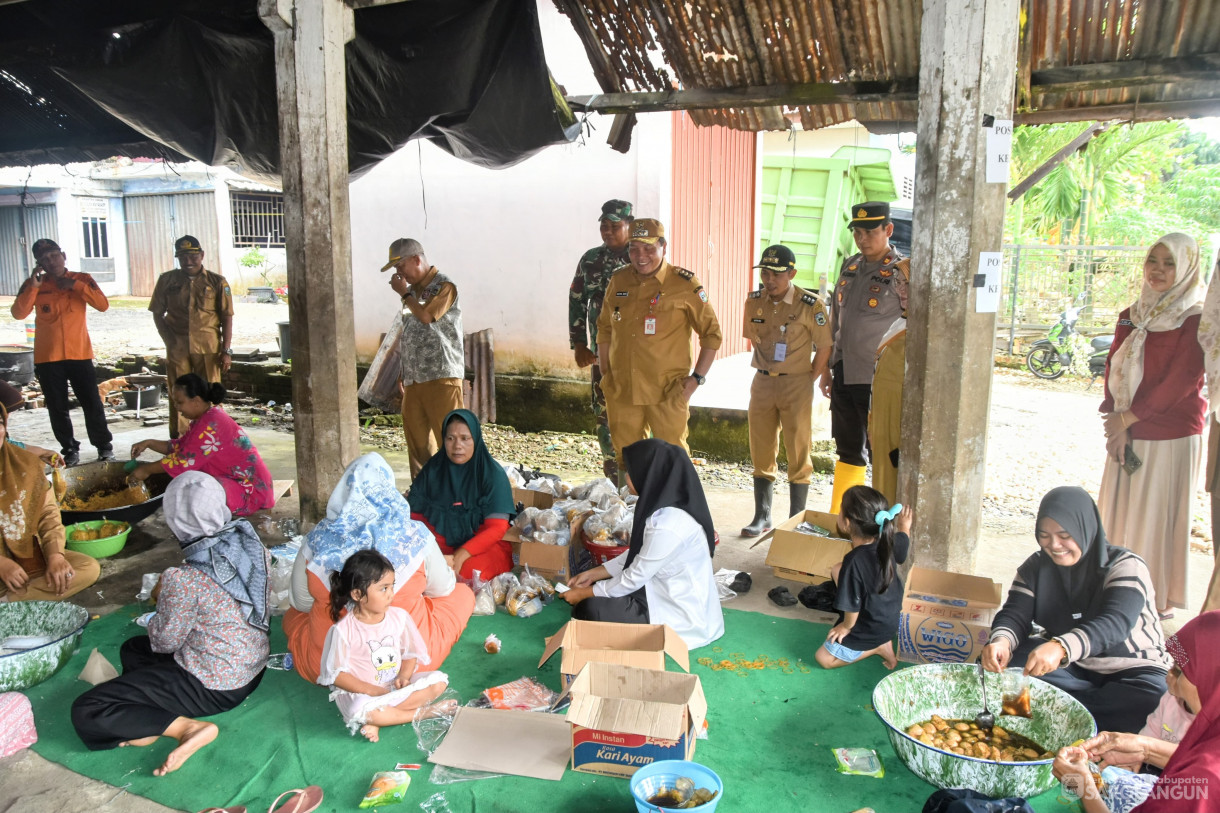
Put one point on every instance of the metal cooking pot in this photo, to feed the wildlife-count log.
(16, 363)
(91, 478)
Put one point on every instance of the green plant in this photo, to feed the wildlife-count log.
(258, 262)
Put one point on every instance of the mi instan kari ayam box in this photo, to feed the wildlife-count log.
(625, 717)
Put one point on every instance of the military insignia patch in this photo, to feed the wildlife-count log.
(684, 274)
(861, 213)
(702, 294)
(809, 299)
(840, 297)
(820, 318)
(842, 282)
(754, 295)
(887, 272)
(852, 267)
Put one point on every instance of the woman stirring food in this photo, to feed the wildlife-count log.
(34, 564)
(214, 444)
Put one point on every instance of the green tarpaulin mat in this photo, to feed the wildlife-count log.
(773, 718)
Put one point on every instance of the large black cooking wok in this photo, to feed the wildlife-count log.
(84, 481)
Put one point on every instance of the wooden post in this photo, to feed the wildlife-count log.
(967, 56)
(312, 90)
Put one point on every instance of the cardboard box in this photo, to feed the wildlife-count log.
(951, 595)
(946, 617)
(624, 717)
(637, 645)
(802, 557)
(546, 560)
(540, 743)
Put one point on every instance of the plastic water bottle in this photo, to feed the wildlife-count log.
(281, 661)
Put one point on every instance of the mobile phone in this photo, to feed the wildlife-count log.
(1131, 461)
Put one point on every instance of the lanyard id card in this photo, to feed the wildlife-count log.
(781, 347)
(650, 326)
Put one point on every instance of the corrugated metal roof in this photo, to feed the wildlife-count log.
(663, 45)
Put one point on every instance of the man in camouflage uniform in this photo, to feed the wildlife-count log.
(585, 305)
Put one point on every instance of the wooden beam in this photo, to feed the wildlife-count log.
(800, 95)
(1055, 160)
(1127, 111)
(1127, 73)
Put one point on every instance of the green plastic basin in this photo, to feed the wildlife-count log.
(58, 620)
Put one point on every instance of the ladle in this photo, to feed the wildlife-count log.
(985, 719)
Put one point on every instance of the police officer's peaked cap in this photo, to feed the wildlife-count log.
(615, 210)
(777, 258)
(870, 215)
(186, 245)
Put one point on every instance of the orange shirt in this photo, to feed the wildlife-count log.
(60, 316)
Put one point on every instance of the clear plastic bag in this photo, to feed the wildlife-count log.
(485, 601)
(430, 730)
(622, 531)
(601, 484)
(523, 694)
(523, 602)
(515, 479)
(548, 520)
(569, 510)
(502, 584)
(531, 580)
(553, 537)
(614, 514)
(597, 530)
(279, 585)
(524, 522)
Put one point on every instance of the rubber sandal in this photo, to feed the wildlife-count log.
(1165, 616)
(781, 597)
(741, 583)
(306, 800)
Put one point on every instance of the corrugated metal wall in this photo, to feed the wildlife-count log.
(15, 263)
(712, 233)
(154, 222)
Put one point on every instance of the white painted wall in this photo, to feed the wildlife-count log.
(509, 238)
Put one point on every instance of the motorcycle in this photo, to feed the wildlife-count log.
(1049, 358)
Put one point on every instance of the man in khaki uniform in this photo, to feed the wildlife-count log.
(790, 333)
(431, 348)
(643, 342)
(193, 311)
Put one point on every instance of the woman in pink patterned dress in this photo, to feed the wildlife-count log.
(214, 445)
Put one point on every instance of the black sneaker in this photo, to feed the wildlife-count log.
(71, 458)
(106, 455)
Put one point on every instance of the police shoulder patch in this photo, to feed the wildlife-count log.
(755, 294)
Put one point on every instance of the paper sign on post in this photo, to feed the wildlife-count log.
(987, 286)
(999, 147)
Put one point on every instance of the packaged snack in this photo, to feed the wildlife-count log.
(548, 520)
(546, 590)
(858, 762)
(524, 521)
(491, 644)
(387, 787)
(523, 694)
(523, 601)
(501, 584)
(596, 530)
(485, 601)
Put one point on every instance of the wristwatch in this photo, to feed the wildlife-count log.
(699, 379)
(226, 352)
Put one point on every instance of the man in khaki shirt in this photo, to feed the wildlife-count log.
(644, 342)
(790, 333)
(193, 310)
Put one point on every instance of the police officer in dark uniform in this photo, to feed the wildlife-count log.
(865, 304)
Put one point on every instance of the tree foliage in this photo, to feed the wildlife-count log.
(1127, 185)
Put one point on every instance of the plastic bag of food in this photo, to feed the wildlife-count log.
(387, 787)
(614, 514)
(553, 537)
(523, 601)
(581, 492)
(546, 590)
(279, 578)
(492, 645)
(548, 520)
(523, 694)
(571, 509)
(485, 601)
(502, 584)
(597, 530)
(622, 531)
(515, 479)
(858, 762)
(524, 521)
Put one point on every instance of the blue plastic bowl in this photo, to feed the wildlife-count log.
(651, 778)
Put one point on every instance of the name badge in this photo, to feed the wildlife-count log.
(650, 326)
(781, 351)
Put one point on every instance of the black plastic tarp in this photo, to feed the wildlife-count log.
(196, 79)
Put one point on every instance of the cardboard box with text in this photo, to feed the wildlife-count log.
(946, 617)
(639, 645)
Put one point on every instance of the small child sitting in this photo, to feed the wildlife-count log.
(370, 654)
(1170, 720)
(869, 594)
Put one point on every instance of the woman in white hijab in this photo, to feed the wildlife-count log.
(206, 647)
(1154, 414)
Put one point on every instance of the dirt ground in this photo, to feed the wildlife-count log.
(1041, 434)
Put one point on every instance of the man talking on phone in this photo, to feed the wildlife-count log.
(63, 353)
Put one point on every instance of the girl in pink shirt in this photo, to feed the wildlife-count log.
(370, 654)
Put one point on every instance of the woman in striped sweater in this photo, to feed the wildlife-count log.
(1100, 639)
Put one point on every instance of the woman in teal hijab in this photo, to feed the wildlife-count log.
(464, 497)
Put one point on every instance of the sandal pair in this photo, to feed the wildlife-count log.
(301, 800)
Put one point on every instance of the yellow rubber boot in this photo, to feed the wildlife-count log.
(846, 476)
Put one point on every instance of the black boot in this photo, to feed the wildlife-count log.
(798, 495)
(762, 508)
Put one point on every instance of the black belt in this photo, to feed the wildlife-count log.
(766, 372)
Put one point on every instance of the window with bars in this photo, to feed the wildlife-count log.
(258, 219)
(95, 239)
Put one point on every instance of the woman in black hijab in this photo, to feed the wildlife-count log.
(1103, 642)
(665, 577)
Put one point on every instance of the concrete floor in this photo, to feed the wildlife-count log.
(31, 784)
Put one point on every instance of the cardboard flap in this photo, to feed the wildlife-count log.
(675, 648)
(974, 591)
(553, 643)
(624, 715)
(630, 700)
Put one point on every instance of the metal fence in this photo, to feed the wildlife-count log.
(1041, 281)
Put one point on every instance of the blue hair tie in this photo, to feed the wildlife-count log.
(884, 516)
